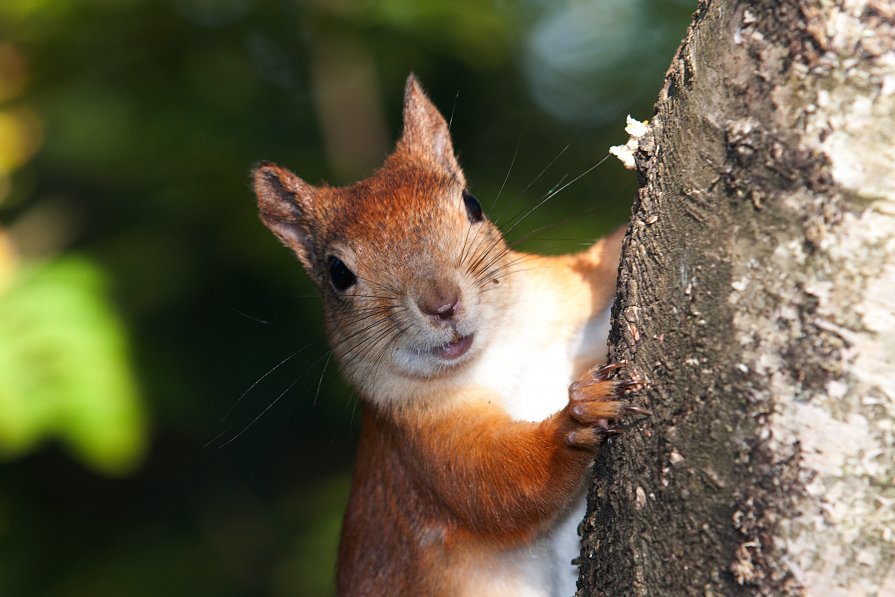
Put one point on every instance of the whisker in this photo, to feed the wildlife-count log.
(322, 375)
(358, 332)
(263, 377)
(554, 193)
(249, 317)
(261, 414)
(536, 178)
(214, 439)
(503, 271)
(353, 351)
(327, 354)
(453, 107)
(494, 243)
(533, 234)
(497, 257)
(349, 321)
(547, 167)
(463, 246)
(353, 400)
(489, 288)
(557, 184)
(509, 170)
(373, 365)
(374, 296)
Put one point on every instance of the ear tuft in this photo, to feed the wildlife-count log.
(425, 130)
(412, 87)
(286, 205)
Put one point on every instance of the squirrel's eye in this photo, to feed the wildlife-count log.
(473, 207)
(341, 277)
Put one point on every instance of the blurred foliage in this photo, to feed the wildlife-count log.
(137, 285)
(62, 362)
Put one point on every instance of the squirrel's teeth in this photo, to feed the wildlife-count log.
(454, 349)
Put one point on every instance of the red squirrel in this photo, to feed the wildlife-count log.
(474, 445)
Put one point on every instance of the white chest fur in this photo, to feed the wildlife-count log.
(529, 370)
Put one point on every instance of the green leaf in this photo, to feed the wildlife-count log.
(64, 369)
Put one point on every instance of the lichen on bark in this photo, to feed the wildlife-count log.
(757, 294)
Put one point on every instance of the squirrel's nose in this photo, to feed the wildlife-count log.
(439, 299)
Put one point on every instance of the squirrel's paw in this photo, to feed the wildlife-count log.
(594, 400)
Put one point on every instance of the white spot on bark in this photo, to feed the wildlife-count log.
(625, 153)
(640, 497)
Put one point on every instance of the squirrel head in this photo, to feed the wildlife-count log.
(411, 272)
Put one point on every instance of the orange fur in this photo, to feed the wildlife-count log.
(432, 490)
(448, 485)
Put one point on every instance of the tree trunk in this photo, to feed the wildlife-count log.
(757, 297)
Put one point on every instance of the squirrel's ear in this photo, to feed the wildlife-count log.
(425, 130)
(286, 204)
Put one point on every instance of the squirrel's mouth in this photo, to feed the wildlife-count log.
(454, 349)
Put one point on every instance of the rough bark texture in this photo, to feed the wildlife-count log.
(757, 294)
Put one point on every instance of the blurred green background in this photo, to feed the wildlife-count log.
(149, 445)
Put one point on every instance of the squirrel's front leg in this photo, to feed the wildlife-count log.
(507, 480)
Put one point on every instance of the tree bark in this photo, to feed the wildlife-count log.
(757, 297)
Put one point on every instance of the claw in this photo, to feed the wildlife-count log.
(631, 384)
(601, 373)
(637, 410)
(610, 432)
